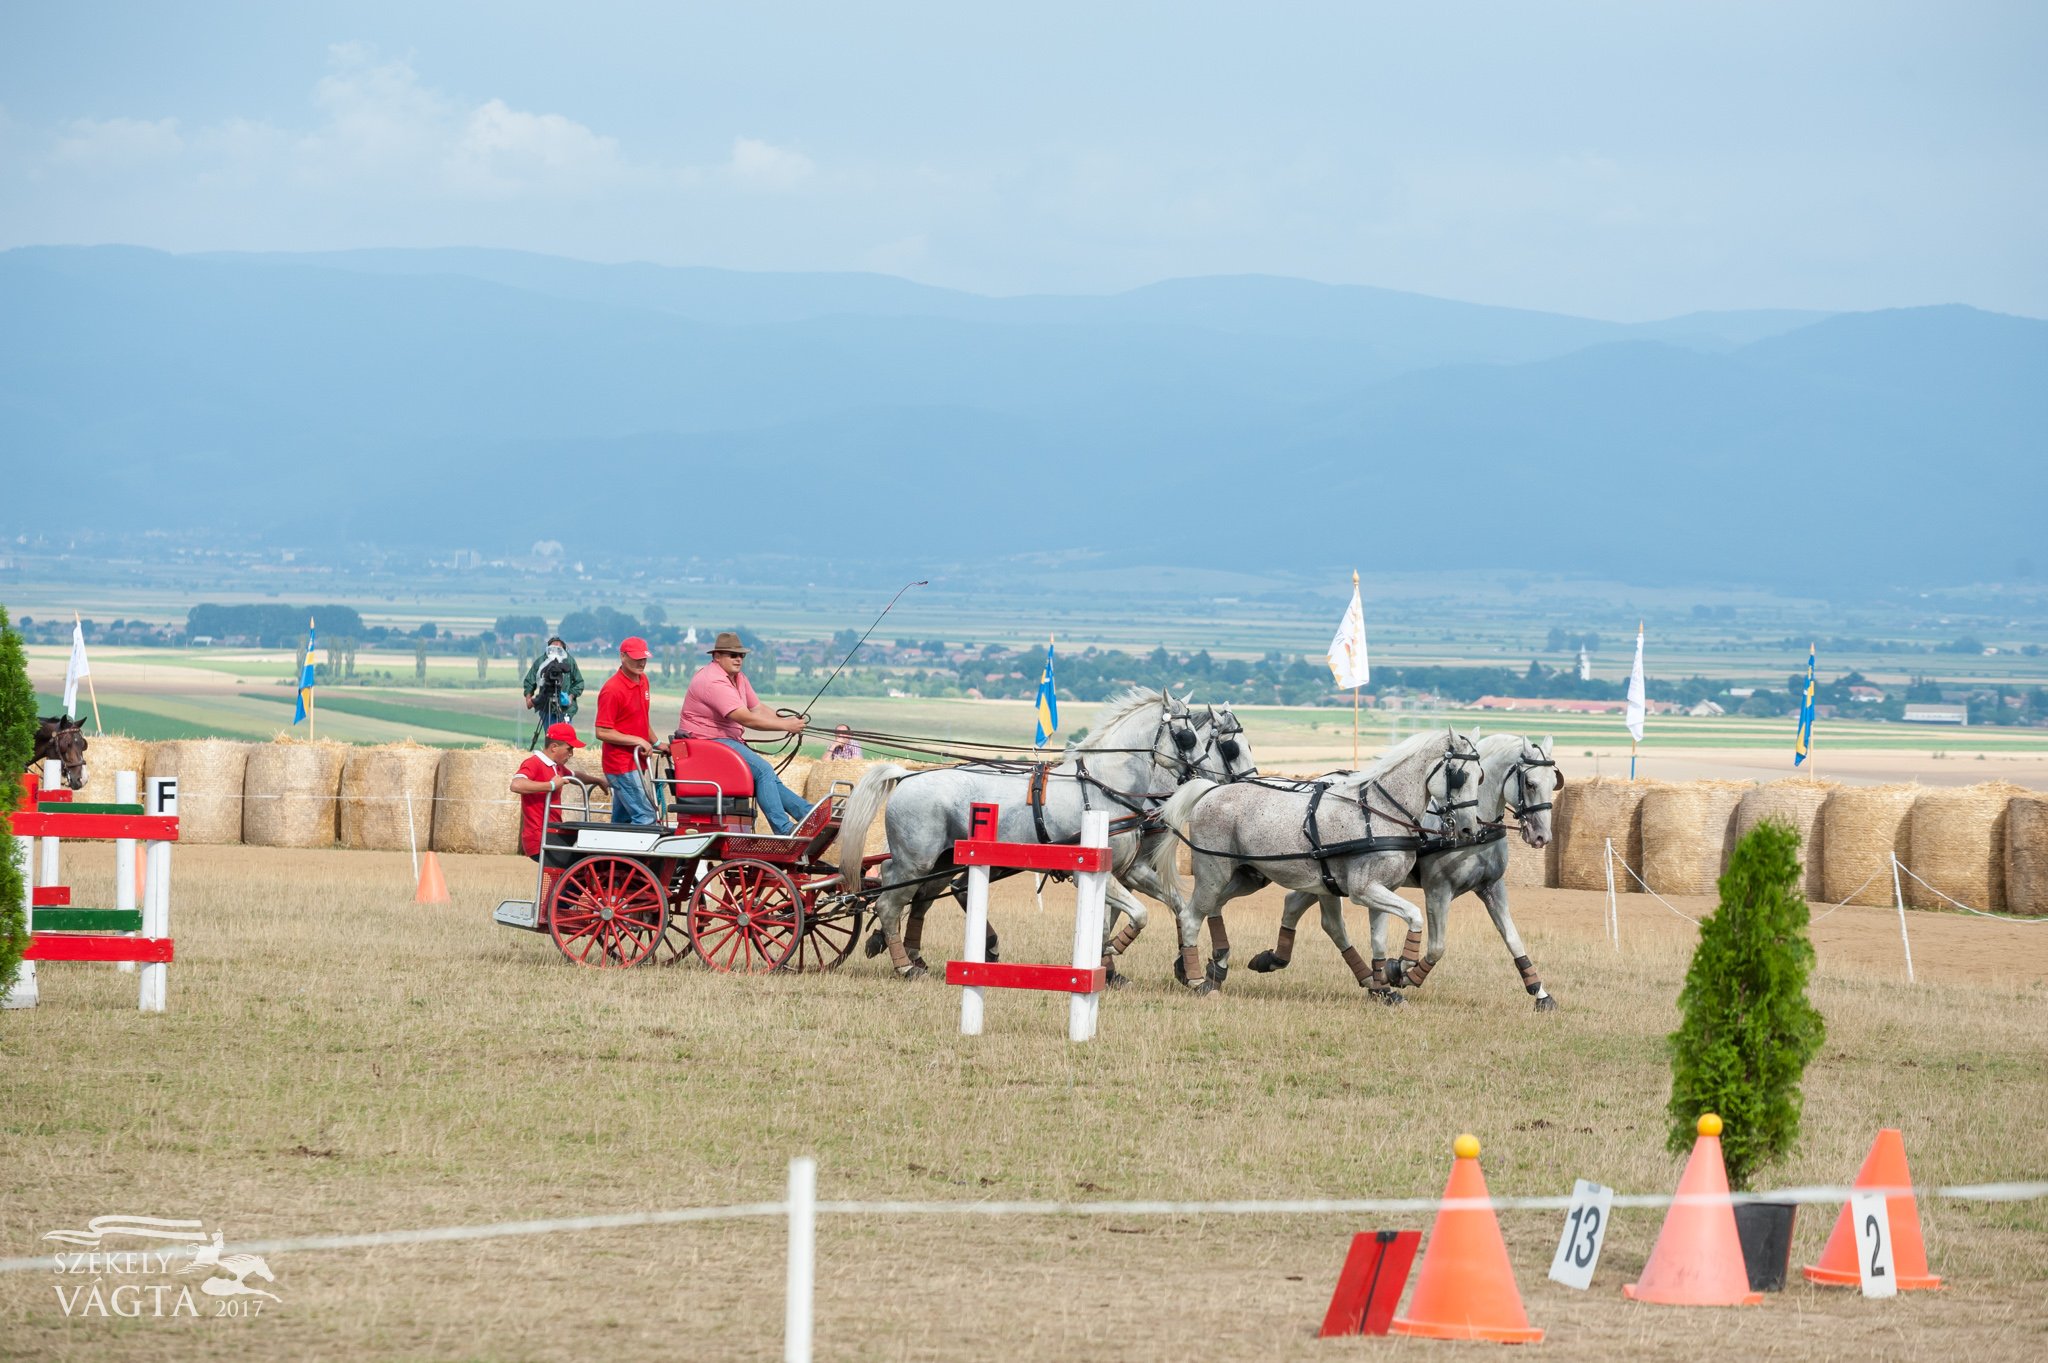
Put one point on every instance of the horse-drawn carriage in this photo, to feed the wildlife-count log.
(701, 882)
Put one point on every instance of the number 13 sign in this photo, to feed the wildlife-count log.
(1585, 1228)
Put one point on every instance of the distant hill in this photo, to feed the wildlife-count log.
(489, 398)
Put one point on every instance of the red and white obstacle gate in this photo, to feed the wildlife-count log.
(1089, 864)
(126, 933)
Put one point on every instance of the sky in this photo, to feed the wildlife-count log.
(1619, 160)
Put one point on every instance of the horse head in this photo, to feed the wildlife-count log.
(1451, 789)
(62, 739)
(1532, 786)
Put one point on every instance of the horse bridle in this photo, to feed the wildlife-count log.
(1452, 765)
(1519, 805)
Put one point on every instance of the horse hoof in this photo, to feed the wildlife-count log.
(1180, 970)
(1397, 973)
(989, 953)
(1388, 997)
(1546, 1003)
(1266, 962)
(1206, 988)
(913, 971)
(1217, 972)
(1115, 979)
(877, 944)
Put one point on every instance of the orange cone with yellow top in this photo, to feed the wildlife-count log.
(433, 889)
(1697, 1260)
(1883, 1167)
(1467, 1288)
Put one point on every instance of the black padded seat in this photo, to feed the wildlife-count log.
(709, 807)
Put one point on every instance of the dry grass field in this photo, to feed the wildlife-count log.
(336, 1059)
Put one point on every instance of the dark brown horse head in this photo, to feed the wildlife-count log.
(62, 740)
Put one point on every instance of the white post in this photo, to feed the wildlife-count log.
(1613, 906)
(124, 855)
(53, 779)
(156, 894)
(1090, 899)
(803, 1221)
(412, 836)
(1899, 898)
(975, 948)
(23, 993)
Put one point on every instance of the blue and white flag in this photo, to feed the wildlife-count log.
(305, 677)
(1802, 745)
(1048, 702)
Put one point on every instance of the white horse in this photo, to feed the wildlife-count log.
(1520, 777)
(1353, 836)
(1144, 746)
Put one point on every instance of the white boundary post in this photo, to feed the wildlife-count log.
(1090, 898)
(156, 894)
(1613, 906)
(803, 1225)
(53, 779)
(412, 837)
(1899, 898)
(125, 786)
(975, 948)
(23, 994)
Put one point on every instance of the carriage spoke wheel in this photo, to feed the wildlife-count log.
(675, 948)
(831, 928)
(607, 912)
(745, 916)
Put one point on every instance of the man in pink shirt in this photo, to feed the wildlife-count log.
(721, 706)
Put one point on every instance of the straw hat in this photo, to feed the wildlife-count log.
(727, 642)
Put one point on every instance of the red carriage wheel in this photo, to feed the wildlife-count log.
(607, 912)
(675, 947)
(831, 927)
(746, 916)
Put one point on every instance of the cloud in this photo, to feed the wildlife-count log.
(502, 150)
(117, 143)
(762, 165)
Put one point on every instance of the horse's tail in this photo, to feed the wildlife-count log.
(1176, 814)
(867, 800)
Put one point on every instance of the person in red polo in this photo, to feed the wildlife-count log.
(535, 783)
(624, 727)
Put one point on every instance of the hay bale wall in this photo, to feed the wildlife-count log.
(1861, 828)
(1588, 813)
(211, 773)
(1530, 866)
(290, 794)
(1686, 829)
(1958, 846)
(474, 807)
(375, 785)
(819, 778)
(1798, 802)
(106, 754)
(2026, 855)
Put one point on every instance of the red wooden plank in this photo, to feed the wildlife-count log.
(1369, 1287)
(1058, 979)
(51, 896)
(53, 797)
(50, 824)
(1030, 856)
(65, 946)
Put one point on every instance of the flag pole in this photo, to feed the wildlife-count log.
(90, 689)
(1646, 704)
(1354, 693)
(312, 724)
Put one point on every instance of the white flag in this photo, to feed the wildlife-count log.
(1348, 661)
(77, 669)
(1636, 703)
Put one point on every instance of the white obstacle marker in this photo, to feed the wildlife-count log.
(980, 853)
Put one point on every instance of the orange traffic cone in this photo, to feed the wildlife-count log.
(432, 888)
(1697, 1260)
(1883, 1167)
(1467, 1287)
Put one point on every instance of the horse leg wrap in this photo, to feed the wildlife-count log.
(1125, 935)
(1531, 981)
(1219, 936)
(1363, 973)
(913, 934)
(900, 958)
(1415, 972)
(1411, 950)
(1191, 966)
(1283, 946)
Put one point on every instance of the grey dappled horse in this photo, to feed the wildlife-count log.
(1143, 747)
(1368, 826)
(1522, 778)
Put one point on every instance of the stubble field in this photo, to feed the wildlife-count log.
(337, 1059)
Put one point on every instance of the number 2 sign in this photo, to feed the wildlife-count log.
(1585, 1228)
(1873, 1221)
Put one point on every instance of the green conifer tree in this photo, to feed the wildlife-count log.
(1747, 1030)
(17, 750)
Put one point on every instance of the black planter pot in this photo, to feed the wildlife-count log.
(1765, 1229)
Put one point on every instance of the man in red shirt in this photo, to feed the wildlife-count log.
(628, 737)
(535, 783)
(721, 706)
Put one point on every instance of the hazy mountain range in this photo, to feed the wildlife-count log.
(487, 399)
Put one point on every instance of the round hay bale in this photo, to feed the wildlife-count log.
(819, 779)
(2026, 855)
(1958, 846)
(106, 754)
(1796, 801)
(1860, 828)
(1588, 814)
(474, 807)
(290, 792)
(1527, 865)
(1686, 834)
(210, 774)
(375, 786)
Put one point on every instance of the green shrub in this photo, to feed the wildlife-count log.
(1747, 1030)
(17, 750)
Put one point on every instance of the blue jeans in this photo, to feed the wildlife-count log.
(783, 807)
(629, 798)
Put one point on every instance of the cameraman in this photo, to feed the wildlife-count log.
(554, 684)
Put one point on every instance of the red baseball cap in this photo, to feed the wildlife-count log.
(564, 733)
(635, 647)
